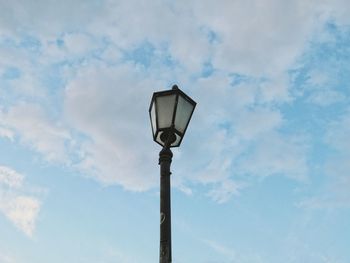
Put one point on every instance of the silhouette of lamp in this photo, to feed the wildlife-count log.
(170, 113)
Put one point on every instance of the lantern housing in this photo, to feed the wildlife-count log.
(170, 113)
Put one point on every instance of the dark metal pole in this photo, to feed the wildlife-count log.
(165, 157)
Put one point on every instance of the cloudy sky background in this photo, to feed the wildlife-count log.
(263, 174)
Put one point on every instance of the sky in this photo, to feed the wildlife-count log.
(262, 175)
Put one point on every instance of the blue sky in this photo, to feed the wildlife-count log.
(263, 174)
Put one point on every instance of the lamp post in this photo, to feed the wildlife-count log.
(170, 113)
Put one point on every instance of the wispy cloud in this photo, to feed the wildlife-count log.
(36, 130)
(225, 191)
(6, 133)
(20, 208)
(10, 178)
(228, 254)
(335, 194)
(5, 258)
(22, 211)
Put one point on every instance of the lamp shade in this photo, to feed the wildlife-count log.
(170, 113)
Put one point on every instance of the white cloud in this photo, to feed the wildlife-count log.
(79, 44)
(37, 130)
(338, 167)
(254, 38)
(114, 254)
(298, 249)
(22, 211)
(187, 39)
(224, 192)
(161, 23)
(7, 133)
(27, 80)
(326, 97)
(109, 105)
(10, 178)
(258, 38)
(252, 123)
(5, 258)
(276, 154)
(45, 17)
(323, 84)
(20, 208)
(318, 78)
(229, 253)
(335, 193)
(337, 133)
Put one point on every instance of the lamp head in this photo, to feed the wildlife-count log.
(170, 113)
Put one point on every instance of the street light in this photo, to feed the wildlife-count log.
(170, 113)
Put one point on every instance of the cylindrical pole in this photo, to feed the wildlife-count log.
(165, 157)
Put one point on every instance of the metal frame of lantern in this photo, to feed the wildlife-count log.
(170, 134)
